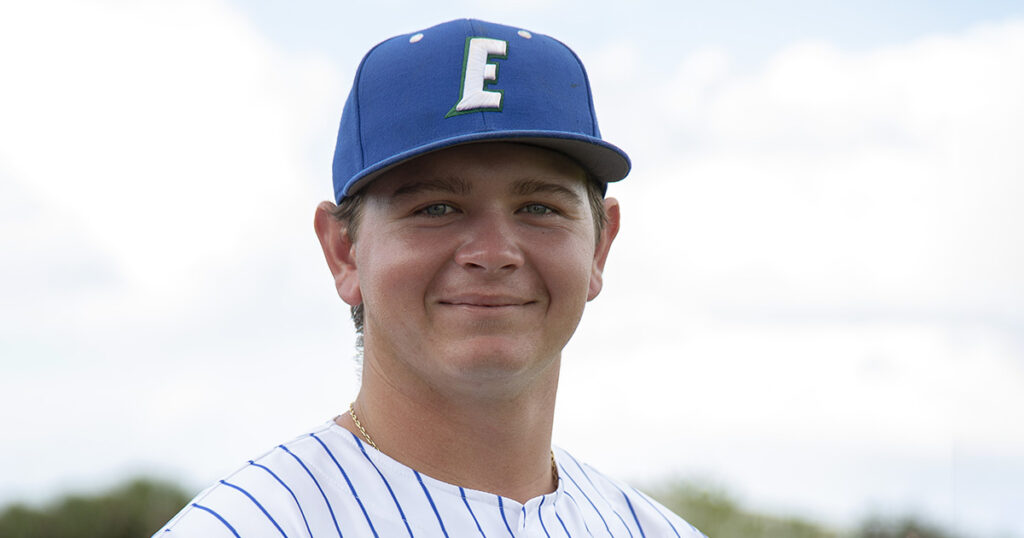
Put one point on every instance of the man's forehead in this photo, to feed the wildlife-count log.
(458, 186)
(523, 168)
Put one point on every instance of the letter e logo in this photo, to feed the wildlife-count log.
(477, 73)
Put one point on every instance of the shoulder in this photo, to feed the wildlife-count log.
(284, 491)
(620, 503)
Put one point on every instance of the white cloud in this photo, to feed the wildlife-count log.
(873, 179)
(815, 280)
(160, 165)
(173, 136)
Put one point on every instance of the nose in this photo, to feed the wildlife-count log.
(489, 246)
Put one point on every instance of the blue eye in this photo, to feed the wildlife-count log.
(437, 210)
(537, 209)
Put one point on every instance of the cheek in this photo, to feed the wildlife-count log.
(568, 271)
(395, 272)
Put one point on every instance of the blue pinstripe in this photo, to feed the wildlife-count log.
(587, 497)
(563, 525)
(501, 509)
(623, 521)
(585, 526)
(540, 516)
(301, 511)
(386, 484)
(216, 515)
(313, 478)
(349, 482)
(230, 510)
(258, 505)
(463, 493)
(648, 501)
(603, 498)
(431, 500)
(630, 505)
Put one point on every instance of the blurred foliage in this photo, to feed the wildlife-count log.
(137, 508)
(876, 527)
(718, 515)
(140, 507)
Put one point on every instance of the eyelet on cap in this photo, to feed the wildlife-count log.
(416, 38)
(524, 33)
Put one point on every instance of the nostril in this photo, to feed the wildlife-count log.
(489, 258)
(489, 245)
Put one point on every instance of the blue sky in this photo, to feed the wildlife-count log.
(814, 300)
(748, 29)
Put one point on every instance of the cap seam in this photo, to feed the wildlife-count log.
(594, 131)
(476, 32)
(358, 109)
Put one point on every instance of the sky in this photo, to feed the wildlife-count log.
(814, 301)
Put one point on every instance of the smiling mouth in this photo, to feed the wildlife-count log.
(488, 305)
(486, 302)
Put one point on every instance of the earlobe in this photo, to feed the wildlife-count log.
(339, 252)
(604, 243)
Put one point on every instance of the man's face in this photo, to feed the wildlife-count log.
(474, 264)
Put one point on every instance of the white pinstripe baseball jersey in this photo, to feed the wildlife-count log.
(328, 483)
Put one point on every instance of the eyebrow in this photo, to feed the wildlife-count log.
(449, 184)
(534, 186)
(458, 186)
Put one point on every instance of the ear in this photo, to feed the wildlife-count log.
(339, 250)
(604, 244)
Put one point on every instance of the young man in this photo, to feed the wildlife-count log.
(470, 231)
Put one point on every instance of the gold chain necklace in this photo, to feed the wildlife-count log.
(352, 413)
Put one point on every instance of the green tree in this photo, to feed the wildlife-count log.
(137, 508)
(906, 527)
(719, 516)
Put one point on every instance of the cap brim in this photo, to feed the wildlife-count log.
(603, 161)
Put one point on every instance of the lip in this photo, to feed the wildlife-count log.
(485, 301)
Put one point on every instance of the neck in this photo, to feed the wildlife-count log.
(500, 445)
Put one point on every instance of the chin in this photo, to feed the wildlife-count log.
(496, 359)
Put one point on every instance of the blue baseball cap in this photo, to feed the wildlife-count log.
(468, 81)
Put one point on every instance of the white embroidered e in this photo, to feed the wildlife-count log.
(477, 72)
